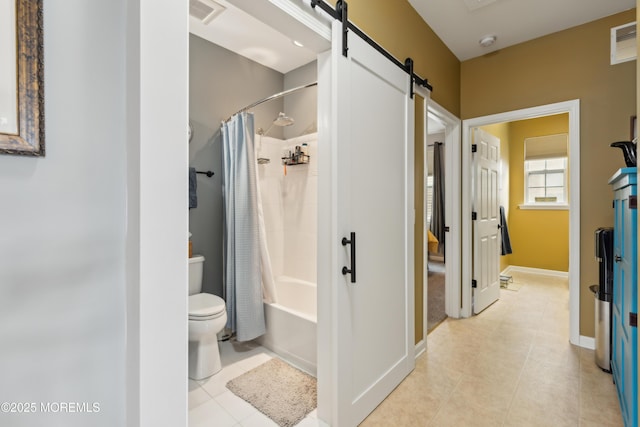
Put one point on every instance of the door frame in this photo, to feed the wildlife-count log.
(572, 107)
(452, 212)
(451, 209)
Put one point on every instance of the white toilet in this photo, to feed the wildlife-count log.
(207, 317)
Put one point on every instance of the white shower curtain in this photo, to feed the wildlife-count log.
(245, 259)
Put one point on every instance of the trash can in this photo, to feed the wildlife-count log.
(603, 293)
(603, 329)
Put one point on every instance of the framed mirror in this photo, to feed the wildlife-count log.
(21, 78)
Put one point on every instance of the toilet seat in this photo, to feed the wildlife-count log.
(205, 306)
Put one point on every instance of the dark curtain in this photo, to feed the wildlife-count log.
(437, 209)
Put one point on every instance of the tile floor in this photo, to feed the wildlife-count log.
(211, 404)
(512, 365)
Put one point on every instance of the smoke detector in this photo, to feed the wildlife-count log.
(487, 41)
(205, 10)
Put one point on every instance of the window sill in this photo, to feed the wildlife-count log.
(544, 207)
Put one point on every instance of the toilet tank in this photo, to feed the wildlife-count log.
(196, 265)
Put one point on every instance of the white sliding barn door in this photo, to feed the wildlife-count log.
(366, 162)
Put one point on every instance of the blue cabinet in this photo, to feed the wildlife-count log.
(624, 333)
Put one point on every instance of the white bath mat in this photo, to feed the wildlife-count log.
(278, 390)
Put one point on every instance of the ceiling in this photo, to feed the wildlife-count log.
(240, 32)
(459, 23)
(462, 23)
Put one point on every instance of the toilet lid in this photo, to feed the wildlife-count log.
(205, 305)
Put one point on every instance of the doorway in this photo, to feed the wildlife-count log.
(435, 191)
(572, 108)
(437, 119)
(381, 255)
(437, 220)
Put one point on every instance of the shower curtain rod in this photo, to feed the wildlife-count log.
(272, 97)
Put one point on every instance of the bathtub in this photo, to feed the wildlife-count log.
(291, 323)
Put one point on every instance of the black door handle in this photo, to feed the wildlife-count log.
(351, 242)
(617, 258)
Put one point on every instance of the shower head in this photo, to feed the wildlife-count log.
(283, 120)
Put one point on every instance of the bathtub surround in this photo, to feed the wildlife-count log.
(290, 212)
(290, 207)
(242, 269)
(292, 324)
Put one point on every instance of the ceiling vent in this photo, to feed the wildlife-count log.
(205, 10)
(623, 43)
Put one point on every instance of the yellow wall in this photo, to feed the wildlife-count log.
(571, 64)
(397, 27)
(540, 239)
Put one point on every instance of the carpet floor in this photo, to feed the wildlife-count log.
(435, 295)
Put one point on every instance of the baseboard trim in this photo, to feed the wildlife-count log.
(420, 348)
(516, 268)
(587, 342)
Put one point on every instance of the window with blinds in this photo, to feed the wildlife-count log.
(429, 187)
(545, 169)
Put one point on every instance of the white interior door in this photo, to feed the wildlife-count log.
(486, 237)
(367, 180)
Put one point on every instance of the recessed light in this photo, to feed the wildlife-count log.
(297, 43)
(487, 41)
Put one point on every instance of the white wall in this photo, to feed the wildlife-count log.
(92, 292)
(157, 170)
(62, 229)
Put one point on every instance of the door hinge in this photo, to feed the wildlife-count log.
(446, 229)
(633, 202)
(474, 148)
(474, 216)
(474, 283)
(633, 320)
